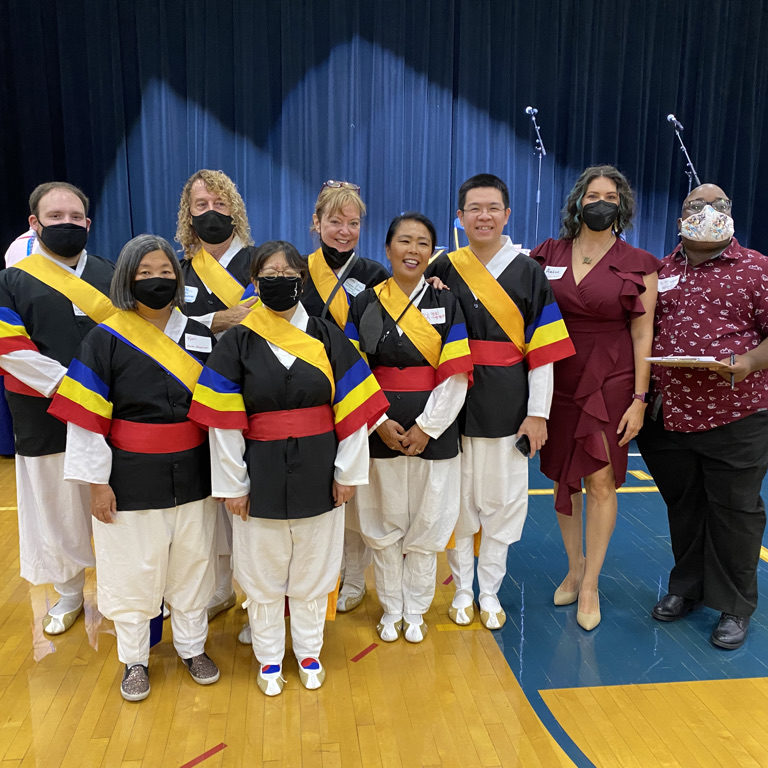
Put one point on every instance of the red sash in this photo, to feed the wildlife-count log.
(494, 352)
(298, 422)
(138, 437)
(419, 378)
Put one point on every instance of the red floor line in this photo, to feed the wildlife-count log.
(199, 759)
(360, 655)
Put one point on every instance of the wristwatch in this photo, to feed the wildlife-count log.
(641, 396)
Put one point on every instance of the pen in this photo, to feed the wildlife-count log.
(733, 360)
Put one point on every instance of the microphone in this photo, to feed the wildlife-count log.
(531, 111)
(674, 121)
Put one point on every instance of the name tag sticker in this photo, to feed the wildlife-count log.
(435, 316)
(668, 283)
(353, 287)
(78, 312)
(190, 293)
(196, 343)
(554, 273)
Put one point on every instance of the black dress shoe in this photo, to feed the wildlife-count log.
(672, 607)
(730, 632)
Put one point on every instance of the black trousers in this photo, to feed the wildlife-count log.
(711, 483)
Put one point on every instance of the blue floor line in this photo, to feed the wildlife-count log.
(544, 646)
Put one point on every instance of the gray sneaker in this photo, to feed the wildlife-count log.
(202, 669)
(135, 685)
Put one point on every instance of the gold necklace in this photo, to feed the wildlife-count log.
(590, 259)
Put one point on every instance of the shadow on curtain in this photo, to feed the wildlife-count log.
(406, 99)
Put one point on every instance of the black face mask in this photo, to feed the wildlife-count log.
(335, 259)
(213, 227)
(65, 240)
(155, 292)
(279, 293)
(600, 215)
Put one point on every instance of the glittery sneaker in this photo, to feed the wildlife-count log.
(135, 685)
(202, 669)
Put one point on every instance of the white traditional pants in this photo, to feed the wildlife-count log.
(145, 555)
(494, 497)
(54, 521)
(407, 513)
(299, 558)
(357, 556)
(222, 551)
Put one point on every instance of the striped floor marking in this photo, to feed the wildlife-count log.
(365, 652)
(626, 489)
(456, 628)
(199, 759)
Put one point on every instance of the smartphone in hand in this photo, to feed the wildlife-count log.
(523, 444)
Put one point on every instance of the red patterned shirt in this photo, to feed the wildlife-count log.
(716, 308)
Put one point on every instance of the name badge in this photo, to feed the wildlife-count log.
(190, 293)
(353, 287)
(554, 273)
(668, 283)
(195, 343)
(435, 315)
(78, 312)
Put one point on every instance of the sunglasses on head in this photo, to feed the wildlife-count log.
(333, 184)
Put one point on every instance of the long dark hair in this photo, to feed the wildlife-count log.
(571, 213)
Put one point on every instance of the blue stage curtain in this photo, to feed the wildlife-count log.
(127, 99)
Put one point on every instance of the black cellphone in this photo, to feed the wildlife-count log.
(523, 445)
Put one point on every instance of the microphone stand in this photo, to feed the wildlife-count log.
(539, 147)
(690, 171)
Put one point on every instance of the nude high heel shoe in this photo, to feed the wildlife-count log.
(563, 597)
(589, 621)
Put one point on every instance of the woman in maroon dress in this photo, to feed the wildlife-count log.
(606, 291)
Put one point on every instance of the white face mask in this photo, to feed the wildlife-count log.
(707, 226)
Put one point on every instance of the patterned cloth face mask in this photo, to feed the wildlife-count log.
(707, 226)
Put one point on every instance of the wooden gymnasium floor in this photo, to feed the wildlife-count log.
(541, 692)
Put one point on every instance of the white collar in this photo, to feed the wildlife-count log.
(234, 248)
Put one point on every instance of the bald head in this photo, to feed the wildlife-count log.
(705, 193)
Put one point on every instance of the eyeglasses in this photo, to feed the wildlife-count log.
(722, 205)
(494, 210)
(271, 275)
(333, 184)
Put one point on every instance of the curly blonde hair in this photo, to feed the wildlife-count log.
(217, 183)
(332, 199)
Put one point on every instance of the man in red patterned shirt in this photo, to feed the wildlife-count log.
(705, 439)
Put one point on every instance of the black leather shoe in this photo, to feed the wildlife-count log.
(730, 632)
(672, 608)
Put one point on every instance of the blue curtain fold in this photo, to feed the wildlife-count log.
(127, 99)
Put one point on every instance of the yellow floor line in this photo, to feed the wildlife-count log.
(7, 509)
(455, 627)
(627, 489)
(639, 474)
(764, 554)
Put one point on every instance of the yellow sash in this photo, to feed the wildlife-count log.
(155, 344)
(325, 280)
(281, 333)
(415, 326)
(90, 300)
(216, 277)
(494, 298)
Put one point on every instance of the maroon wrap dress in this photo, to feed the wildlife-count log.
(594, 387)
